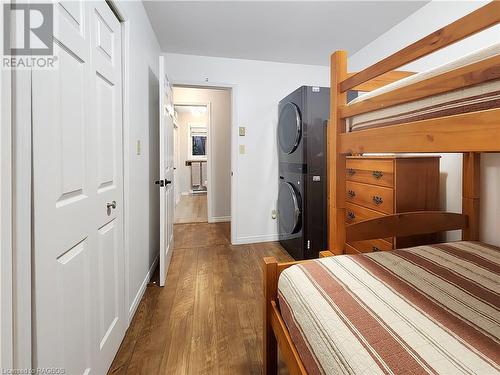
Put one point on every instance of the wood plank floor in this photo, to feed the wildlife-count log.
(191, 209)
(208, 317)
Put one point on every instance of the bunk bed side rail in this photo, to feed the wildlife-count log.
(469, 75)
(406, 224)
(469, 132)
(481, 19)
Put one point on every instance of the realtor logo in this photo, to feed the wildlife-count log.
(28, 36)
(28, 29)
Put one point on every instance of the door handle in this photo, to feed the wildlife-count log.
(160, 182)
(167, 182)
(111, 205)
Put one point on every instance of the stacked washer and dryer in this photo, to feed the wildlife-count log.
(302, 198)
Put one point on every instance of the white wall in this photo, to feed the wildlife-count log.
(258, 86)
(219, 143)
(429, 18)
(142, 111)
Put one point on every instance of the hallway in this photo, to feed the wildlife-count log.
(191, 209)
(208, 318)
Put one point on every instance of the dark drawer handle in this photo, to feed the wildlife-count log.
(351, 172)
(377, 200)
(351, 193)
(375, 248)
(350, 215)
(377, 174)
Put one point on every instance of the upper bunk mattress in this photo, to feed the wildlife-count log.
(474, 98)
(428, 309)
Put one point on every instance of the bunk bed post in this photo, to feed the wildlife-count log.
(270, 345)
(471, 194)
(336, 160)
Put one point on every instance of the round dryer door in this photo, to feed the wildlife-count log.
(289, 203)
(289, 128)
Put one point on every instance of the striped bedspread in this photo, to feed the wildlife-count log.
(428, 309)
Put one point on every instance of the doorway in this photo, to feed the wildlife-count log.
(192, 155)
(202, 154)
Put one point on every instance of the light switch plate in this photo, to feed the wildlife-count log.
(242, 149)
(242, 131)
(138, 147)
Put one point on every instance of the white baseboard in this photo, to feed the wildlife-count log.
(256, 239)
(219, 219)
(142, 289)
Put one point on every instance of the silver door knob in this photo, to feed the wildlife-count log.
(111, 205)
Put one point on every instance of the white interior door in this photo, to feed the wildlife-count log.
(166, 172)
(78, 194)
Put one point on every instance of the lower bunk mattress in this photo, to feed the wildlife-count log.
(428, 309)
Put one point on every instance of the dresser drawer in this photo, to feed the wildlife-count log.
(350, 250)
(355, 213)
(378, 198)
(369, 246)
(371, 171)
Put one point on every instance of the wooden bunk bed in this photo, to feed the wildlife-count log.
(471, 133)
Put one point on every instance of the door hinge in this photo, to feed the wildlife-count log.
(308, 244)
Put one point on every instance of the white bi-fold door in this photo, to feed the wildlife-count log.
(79, 314)
(166, 155)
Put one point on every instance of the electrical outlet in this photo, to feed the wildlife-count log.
(242, 149)
(274, 214)
(138, 147)
(242, 131)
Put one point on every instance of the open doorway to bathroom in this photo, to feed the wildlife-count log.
(191, 139)
(202, 154)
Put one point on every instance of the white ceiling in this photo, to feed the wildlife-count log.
(303, 32)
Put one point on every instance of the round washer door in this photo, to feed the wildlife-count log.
(289, 203)
(289, 127)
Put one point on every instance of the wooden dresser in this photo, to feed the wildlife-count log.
(381, 185)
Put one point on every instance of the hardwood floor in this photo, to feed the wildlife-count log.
(208, 317)
(191, 209)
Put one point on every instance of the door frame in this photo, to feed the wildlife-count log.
(6, 219)
(176, 163)
(210, 197)
(117, 8)
(233, 89)
(16, 267)
(17, 195)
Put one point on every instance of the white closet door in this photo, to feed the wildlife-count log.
(77, 167)
(107, 126)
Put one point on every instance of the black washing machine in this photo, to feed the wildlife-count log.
(290, 213)
(302, 198)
